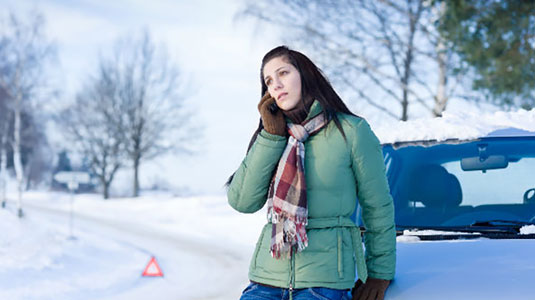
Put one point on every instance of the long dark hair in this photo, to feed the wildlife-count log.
(313, 85)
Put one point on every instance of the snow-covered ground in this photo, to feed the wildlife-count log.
(202, 246)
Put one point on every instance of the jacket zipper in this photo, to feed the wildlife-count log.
(292, 274)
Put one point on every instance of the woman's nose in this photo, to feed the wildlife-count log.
(277, 84)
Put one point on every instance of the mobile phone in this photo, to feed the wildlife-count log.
(273, 108)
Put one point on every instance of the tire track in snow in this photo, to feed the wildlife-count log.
(213, 263)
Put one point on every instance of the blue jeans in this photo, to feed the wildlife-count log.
(255, 291)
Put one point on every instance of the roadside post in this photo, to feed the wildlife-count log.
(73, 180)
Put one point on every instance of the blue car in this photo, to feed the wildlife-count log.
(465, 215)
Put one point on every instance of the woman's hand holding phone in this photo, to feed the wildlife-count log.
(272, 116)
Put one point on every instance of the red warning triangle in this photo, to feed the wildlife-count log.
(152, 268)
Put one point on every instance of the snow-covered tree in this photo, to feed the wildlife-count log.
(24, 54)
(5, 120)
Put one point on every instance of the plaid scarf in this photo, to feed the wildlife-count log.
(287, 200)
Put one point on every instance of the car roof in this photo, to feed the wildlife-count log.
(507, 133)
(511, 132)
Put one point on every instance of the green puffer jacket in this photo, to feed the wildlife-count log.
(336, 173)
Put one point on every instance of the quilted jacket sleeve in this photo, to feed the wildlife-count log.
(248, 189)
(376, 202)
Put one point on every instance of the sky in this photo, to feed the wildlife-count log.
(219, 57)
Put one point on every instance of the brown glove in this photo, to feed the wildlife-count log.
(373, 289)
(274, 123)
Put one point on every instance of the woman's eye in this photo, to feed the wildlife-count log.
(268, 82)
(283, 72)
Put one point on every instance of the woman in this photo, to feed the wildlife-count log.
(309, 159)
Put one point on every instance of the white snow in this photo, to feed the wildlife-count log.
(200, 243)
(16, 239)
(435, 232)
(407, 239)
(527, 229)
(196, 240)
(463, 125)
(40, 262)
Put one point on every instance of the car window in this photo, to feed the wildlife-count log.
(457, 184)
(499, 186)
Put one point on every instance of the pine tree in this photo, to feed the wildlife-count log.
(497, 40)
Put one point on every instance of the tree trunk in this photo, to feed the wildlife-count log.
(136, 176)
(3, 166)
(29, 172)
(441, 99)
(404, 106)
(405, 82)
(17, 161)
(102, 176)
(105, 188)
(413, 21)
(3, 159)
(442, 60)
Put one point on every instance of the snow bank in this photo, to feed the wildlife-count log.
(39, 261)
(528, 229)
(208, 218)
(25, 245)
(407, 232)
(407, 239)
(458, 124)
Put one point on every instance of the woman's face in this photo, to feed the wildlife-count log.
(283, 82)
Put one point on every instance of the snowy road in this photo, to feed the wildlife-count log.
(194, 268)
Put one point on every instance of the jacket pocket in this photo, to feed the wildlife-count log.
(258, 246)
(267, 266)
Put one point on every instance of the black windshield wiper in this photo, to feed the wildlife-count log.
(505, 225)
(484, 227)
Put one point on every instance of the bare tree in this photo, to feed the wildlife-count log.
(131, 111)
(5, 120)
(24, 52)
(93, 123)
(450, 70)
(37, 155)
(151, 92)
(379, 50)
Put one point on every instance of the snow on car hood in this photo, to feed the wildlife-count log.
(464, 269)
(455, 125)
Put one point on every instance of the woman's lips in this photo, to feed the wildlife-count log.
(282, 95)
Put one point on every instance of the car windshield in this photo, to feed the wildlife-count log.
(458, 184)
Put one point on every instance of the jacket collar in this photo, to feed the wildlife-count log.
(315, 109)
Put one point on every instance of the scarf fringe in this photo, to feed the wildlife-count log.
(276, 218)
(282, 250)
(296, 239)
